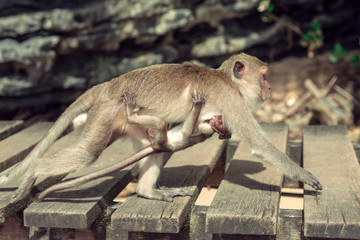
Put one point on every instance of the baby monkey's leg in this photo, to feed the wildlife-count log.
(157, 128)
(180, 138)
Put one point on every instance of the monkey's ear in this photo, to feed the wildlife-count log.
(239, 68)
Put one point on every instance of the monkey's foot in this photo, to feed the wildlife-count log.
(165, 194)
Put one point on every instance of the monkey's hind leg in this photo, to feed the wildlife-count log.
(149, 173)
(93, 140)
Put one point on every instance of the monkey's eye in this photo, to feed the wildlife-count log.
(238, 69)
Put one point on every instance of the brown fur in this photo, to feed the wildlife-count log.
(165, 91)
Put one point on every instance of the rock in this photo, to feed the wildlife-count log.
(164, 54)
(69, 45)
(221, 45)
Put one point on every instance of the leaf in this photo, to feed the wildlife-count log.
(266, 17)
(338, 53)
(271, 7)
(264, 5)
(315, 25)
(334, 58)
(355, 61)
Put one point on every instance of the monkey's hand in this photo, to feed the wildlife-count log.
(198, 100)
(131, 106)
(217, 125)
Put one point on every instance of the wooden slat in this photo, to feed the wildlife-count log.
(333, 212)
(289, 224)
(9, 127)
(6, 208)
(188, 168)
(14, 148)
(80, 206)
(198, 222)
(248, 197)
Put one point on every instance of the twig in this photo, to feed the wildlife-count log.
(313, 89)
(289, 25)
(346, 95)
(299, 104)
(328, 87)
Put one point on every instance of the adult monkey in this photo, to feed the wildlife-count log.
(164, 91)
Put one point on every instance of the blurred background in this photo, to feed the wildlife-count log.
(52, 51)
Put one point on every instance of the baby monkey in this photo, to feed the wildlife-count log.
(180, 137)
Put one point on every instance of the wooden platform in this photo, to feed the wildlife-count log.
(246, 205)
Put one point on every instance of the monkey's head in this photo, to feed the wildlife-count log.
(248, 73)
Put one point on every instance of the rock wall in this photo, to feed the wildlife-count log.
(51, 49)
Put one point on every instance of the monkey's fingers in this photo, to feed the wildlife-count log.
(198, 99)
(315, 184)
(130, 102)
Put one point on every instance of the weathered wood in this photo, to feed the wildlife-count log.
(289, 224)
(79, 207)
(17, 146)
(8, 209)
(333, 212)
(188, 168)
(294, 151)
(9, 127)
(39, 233)
(242, 237)
(248, 197)
(197, 224)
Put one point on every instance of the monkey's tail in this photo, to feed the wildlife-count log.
(81, 105)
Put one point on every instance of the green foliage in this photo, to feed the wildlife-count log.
(355, 62)
(266, 8)
(338, 53)
(313, 38)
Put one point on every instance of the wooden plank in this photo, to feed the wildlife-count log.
(294, 151)
(8, 209)
(9, 127)
(188, 168)
(248, 197)
(333, 212)
(197, 223)
(17, 146)
(79, 207)
(290, 224)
